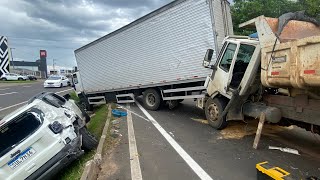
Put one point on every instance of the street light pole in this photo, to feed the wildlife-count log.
(53, 63)
(12, 56)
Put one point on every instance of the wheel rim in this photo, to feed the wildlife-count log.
(213, 112)
(151, 99)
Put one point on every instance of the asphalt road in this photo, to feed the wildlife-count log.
(13, 96)
(177, 144)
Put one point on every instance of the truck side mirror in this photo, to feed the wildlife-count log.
(207, 58)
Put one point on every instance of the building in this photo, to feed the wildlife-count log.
(60, 70)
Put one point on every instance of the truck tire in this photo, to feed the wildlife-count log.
(214, 107)
(4, 79)
(20, 79)
(152, 99)
(89, 142)
(85, 114)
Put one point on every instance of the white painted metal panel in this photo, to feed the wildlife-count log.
(166, 47)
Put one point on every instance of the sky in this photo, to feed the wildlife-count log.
(61, 26)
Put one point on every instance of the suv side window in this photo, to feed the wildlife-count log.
(226, 60)
(55, 99)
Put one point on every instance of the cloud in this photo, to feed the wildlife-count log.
(61, 26)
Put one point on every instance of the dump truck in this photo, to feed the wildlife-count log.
(277, 74)
(158, 55)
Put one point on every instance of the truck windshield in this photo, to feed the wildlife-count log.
(16, 131)
(227, 57)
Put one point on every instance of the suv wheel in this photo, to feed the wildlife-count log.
(89, 142)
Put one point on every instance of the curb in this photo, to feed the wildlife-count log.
(91, 169)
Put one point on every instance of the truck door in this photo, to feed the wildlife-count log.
(220, 77)
(245, 67)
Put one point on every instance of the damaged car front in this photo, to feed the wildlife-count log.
(42, 137)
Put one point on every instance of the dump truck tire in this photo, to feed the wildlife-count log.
(214, 107)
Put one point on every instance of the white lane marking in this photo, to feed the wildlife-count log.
(185, 156)
(134, 113)
(8, 93)
(12, 106)
(134, 156)
(27, 101)
(26, 86)
(64, 90)
(4, 89)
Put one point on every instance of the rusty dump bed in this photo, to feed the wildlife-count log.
(293, 59)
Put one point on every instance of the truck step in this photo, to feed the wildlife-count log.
(125, 98)
(97, 100)
(187, 91)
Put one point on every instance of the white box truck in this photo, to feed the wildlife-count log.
(158, 56)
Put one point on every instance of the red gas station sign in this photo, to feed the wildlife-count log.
(43, 53)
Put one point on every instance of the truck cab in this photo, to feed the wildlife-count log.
(238, 58)
(234, 74)
(275, 75)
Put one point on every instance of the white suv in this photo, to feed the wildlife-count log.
(12, 76)
(42, 137)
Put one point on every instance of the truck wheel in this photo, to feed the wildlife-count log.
(4, 79)
(20, 79)
(85, 114)
(152, 99)
(89, 142)
(214, 107)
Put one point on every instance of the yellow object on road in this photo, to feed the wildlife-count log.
(265, 171)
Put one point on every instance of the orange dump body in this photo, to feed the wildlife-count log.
(294, 61)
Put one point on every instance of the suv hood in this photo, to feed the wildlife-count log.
(52, 81)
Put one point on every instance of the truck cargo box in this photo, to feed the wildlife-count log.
(164, 47)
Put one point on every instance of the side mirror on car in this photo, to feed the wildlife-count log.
(67, 96)
(207, 58)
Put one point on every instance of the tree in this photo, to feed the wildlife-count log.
(244, 10)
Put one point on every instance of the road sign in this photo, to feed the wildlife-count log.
(4, 55)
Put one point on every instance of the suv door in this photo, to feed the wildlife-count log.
(15, 77)
(9, 76)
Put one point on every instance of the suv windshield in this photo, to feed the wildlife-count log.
(54, 78)
(16, 131)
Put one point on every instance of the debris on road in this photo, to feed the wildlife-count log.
(287, 150)
(265, 169)
(171, 134)
(117, 121)
(203, 121)
(117, 113)
(114, 133)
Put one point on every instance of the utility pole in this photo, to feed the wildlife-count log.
(12, 56)
(53, 63)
